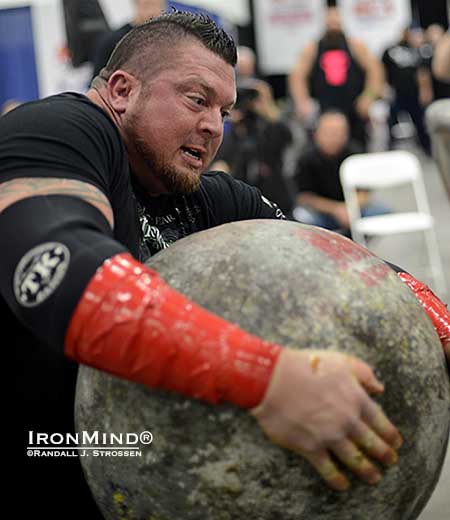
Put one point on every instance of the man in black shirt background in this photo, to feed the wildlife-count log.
(410, 82)
(339, 72)
(320, 197)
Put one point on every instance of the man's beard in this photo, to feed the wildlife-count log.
(173, 180)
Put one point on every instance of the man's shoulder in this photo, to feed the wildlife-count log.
(222, 185)
(76, 102)
(309, 155)
(230, 199)
(217, 180)
(65, 135)
(352, 148)
(66, 112)
(59, 104)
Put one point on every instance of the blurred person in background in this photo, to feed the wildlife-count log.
(246, 75)
(246, 64)
(253, 146)
(338, 72)
(441, 59)
(320, 197)
(410, 82)
(143, 10)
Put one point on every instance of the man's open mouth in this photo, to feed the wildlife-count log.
(196, 154)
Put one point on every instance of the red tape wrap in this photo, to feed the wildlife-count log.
(130, 323)
(433, 306)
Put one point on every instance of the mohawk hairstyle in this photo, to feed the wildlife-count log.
(143, 49)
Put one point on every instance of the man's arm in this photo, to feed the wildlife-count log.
(436, 309)
(374, 81)
(298, 81)
(441, 59)
(433, 306)
(334, 208)
(19, 189)
(68, 281)
(425, 85)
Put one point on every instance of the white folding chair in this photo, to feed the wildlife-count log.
(381, 170)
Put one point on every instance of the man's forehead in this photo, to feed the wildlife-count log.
(190, 52)
(211, 88)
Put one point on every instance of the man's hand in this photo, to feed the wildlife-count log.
(340, 214)
(317, 406)
(305, 109)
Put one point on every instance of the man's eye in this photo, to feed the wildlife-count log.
(198, 100)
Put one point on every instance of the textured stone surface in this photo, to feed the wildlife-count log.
(301, 287)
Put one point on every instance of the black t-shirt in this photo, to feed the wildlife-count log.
(336, 78)
(401, 63)
(220, 199)
(67, 136)
(319, 173)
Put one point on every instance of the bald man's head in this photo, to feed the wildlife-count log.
(332, 133)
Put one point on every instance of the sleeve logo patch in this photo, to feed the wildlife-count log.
(39, 273)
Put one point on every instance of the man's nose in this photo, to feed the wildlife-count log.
(211, 123)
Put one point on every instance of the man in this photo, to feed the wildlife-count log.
(340, 73)
(77, 172)
(410, 81)
(320, 197)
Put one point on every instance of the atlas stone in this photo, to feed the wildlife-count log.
(302, 287)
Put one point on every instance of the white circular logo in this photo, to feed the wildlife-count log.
(39, 273)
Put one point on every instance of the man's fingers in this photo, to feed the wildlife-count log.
(353, 458)
(327, 469)
(375, 418)
(365, 375)
(373, 445)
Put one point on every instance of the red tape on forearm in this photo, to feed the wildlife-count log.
(434, 307)
(130, 323)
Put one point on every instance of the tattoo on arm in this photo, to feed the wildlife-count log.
(17, 189)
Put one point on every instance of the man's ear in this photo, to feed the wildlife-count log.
(122, 87)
